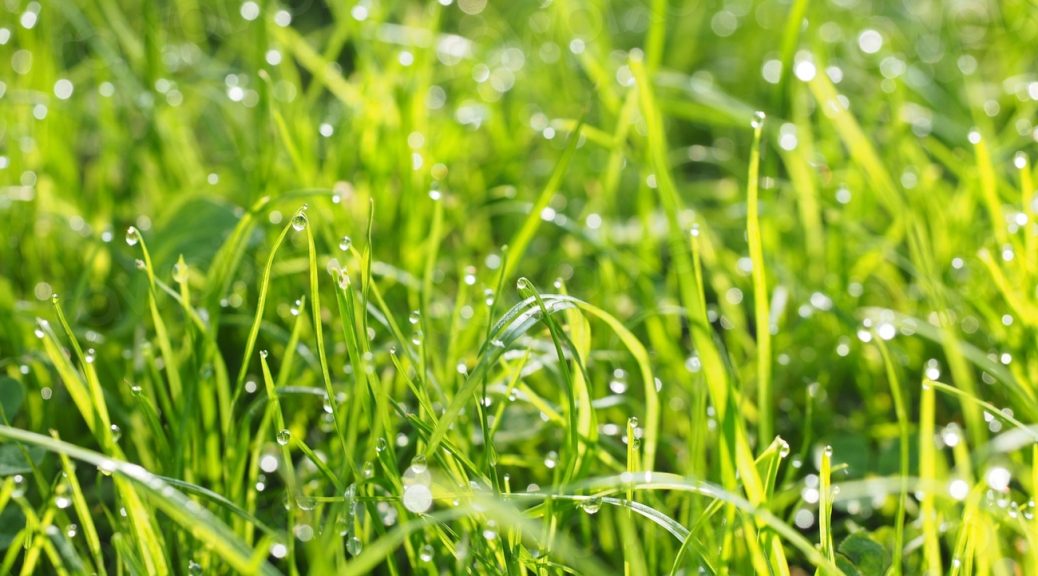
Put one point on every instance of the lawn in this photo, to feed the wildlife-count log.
(518, 287)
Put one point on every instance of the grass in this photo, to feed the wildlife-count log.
(645, 287)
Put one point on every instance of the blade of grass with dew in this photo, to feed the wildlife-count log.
(186, 513)
(761, 296)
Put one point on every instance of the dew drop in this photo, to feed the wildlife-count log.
(758, 120)
(117, 433)
(426, 553)
(380, 445)
(354, 546)
(299, 220)
(345, 243)
(283, 437)
(417, 498)
(415, 317)
(90, 356)
(591, 505)
(106, 467)
(551, 459)
(132, 236)
(180, 273)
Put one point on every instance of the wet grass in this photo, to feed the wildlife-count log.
(582, 287)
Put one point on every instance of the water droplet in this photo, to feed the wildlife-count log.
(380, 445)
(551, 459)
(415, 317)
(133, 236)
(139, 264)
(194, 567)
(90, 356)
(974, 137)
(299, 220)
(419, 464)
(106, 467)
(264, 353)
(327, 405)
(19, 486)
(136, 390)
(180, 273)
(426, 553)
(345, 243)
(488, 297)
(758, 120)
(279, 550)
(354, 546)
(591, 505)
(618, 384)
(117, 433)
(417, 498)
(283, 437)
(296, 307)
(783, 449)
(632, 423)
(55, 298)
(828, 450)
(41, 328)
(522, 285)
(305, 502)
(368, 469)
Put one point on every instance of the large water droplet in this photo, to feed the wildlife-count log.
(354, 546)
(417, 498)
(299, 221)
(415, 317)
(283, 437)
(758, 119)
(132, 236)
(551, 459)
(591, 505)
(345, 243)
(425, 553)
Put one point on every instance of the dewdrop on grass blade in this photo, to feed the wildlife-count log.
(283, 437)
(133, 236)
(591, 505)
(417, 498)
(299, 221)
